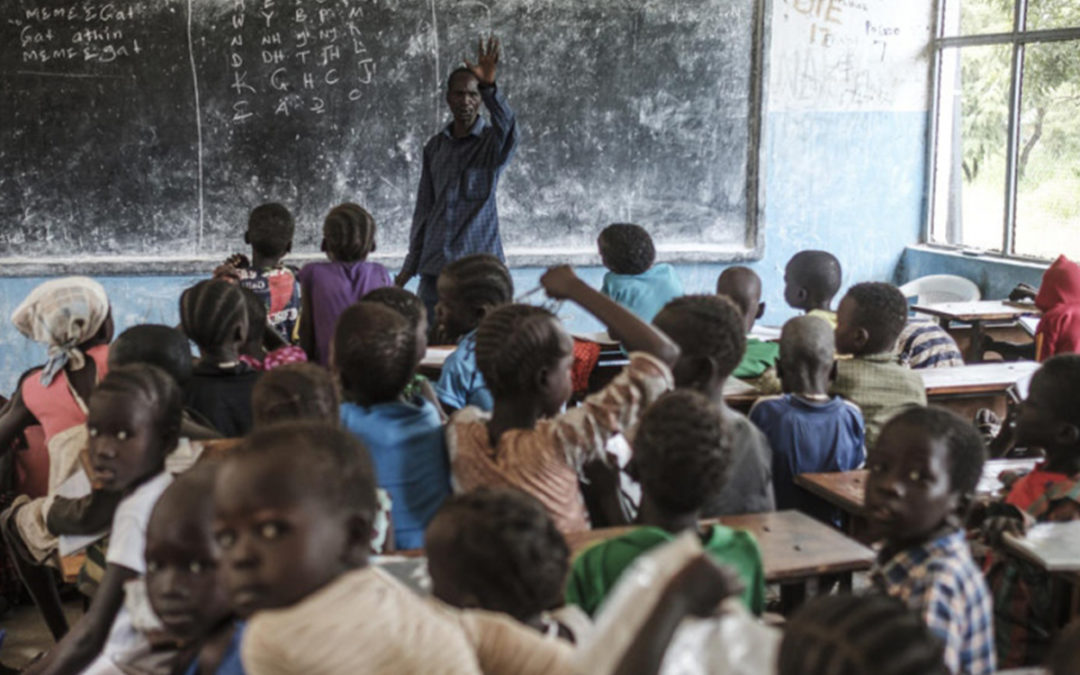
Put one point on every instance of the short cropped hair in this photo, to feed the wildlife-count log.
(816, 271)
(349, 232)
(210, 312)
(461, 70)
(481, 280)
(270, 230)
(161, 346)
(628, 248)
(512, 344)
(881, 310)
(709, 326)
(295, 391)
(1062, 373)
(967, 453)
(374, 352)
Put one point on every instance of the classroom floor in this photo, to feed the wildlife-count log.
(27, 635)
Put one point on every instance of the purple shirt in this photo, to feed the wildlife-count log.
(332, 287)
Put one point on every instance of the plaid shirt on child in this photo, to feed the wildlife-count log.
(941, 582)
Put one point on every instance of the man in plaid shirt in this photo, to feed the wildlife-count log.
(455, 212)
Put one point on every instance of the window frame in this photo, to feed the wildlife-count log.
(1018, 38)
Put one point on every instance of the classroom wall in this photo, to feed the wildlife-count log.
(844, 149)
(994, 275)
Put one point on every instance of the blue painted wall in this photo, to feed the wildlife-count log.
(994, 276)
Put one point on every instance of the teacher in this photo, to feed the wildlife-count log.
(455, 212)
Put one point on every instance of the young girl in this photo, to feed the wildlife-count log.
(327, 288)
(526, 356)
(72, 318)
(213, 315)
(412, 308)
(264, 349)
(133, 422)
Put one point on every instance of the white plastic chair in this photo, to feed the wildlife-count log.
(941, 288)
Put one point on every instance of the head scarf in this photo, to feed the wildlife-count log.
(63, 314)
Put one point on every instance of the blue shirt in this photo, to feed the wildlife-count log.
(809, 437)
(460, 383)
(230, 662)
(408, 449)
(455, 213)
(644, 294)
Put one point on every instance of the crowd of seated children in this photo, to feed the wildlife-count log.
(412, 308)
(327, 288)
(742, 286)
(682, 458)
(270, 233)
(811, 280)
(375, 357)
(632, 280)
(525, 442)
(264, 348)
(709, 331)
(921, 482)
(1058, 297)
(468, 290)
(869, 319)
(809, 431)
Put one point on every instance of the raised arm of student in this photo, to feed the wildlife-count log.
(502, 115)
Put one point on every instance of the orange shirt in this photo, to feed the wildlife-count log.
(54, 406)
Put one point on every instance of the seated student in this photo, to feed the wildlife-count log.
(743, 287)
(270, 232)
(213, 314)
(1049, 418)
(525, 442)
(375, 358)
(329, 287)
(709, 330)
(133, 423)
(469, 289)
(811, 280)
(185, 582)
(293, 509)
(682, 458)
(633, 280)
(264, 350)
(410, 306)
(1058, 296)
(809, 431)
(499, 550)
(856, 635)
(870, 317)
(922, 477)
(924, 344)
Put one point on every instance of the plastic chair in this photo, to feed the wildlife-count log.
(941, 288)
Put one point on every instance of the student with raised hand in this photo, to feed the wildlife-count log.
(811, 280)
(632, 280)
(526, 355)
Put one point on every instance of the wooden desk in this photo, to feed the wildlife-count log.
(1055, 547)
(432, 363)
(70, 566)
(976, 314)
(965, 389)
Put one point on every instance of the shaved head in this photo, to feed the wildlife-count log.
(743, 286)
(806, 341)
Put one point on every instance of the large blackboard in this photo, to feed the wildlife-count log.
(147, 129)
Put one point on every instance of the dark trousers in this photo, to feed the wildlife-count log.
(429, 296)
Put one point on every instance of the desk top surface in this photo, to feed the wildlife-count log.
(979, 310)
(1053, 546)
(976, 378)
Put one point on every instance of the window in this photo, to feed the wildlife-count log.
(1005, 169)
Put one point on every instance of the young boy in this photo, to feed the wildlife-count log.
(633, 281)
(743, 286)
(811, 280)
(922, 478)
(1049, 418)
(869, 319)
(709, 331)
(809, 431)
(270, 233)
(682, 457)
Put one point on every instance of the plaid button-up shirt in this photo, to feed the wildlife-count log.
(880, 386)
(455, 212)
(941, 582)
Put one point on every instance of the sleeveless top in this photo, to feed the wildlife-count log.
(55, 406)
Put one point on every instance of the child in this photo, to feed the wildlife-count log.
(808, 430)
(270, 233)
(329, 287)
(499, 550)
(710, 332)
(682, 458)
(184, 582)
(924, 344)
(133, 422)
(853, 635)
(469, 289)
(1049, 418)
(743, 287)
(922, 478)
(375, 358)
(869, 319)
(525, 443)
(811, 280)
(412, 308)
(264, 350)
(213, 314)
(632, 280)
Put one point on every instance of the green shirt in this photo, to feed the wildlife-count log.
(596, 570)
(759, 357)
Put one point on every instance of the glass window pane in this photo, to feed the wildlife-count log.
(1046, 14)
(973, 120)
(974, 17)
(1048, 163)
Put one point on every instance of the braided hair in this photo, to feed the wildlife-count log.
(348, 233)
(210, 313)
(626, 248)
(502, 547)
(853, 635)
(295, 391)
(882, 311)
(705, 326)
(156, 388)
(256, 313)
(403, 302)
(513, 344)
(270, 230)
(480, 281)
(682, 451)
(374, 352)
(161, 346)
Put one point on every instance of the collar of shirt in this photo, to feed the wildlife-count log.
(476, 129)
(900, 567)
(881, 357)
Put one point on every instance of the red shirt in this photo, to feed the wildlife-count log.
(1025, 491)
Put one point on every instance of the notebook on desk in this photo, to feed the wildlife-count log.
(1053, 546)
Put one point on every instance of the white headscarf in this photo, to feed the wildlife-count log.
(63, 314)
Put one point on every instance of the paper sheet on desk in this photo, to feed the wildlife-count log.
(1056, 546)
(435, 357)
(76, 487)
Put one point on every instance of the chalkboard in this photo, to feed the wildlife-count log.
(146, 130)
